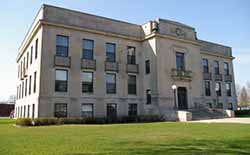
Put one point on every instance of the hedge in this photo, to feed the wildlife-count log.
(239, 113)
(88, 120)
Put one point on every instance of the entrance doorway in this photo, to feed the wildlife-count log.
(182, 98)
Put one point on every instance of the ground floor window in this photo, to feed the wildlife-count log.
(33, 110)
(111, 110)
(28, 112)
(230, 106)
(24, 111)
(87, 110)
(60, 110)
(132, 109)
(220, 105)
(210, 105)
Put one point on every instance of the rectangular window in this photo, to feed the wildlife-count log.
(62, 45)
(110, 83)
(210, 105)
(33, 110)
(87, 49)
(131, 55)
(34, 87)
(228, 87)
(205, 66)
(24, 111)
(87, 82)
(30, 81)
(26, 81)
(21, 114)
(216, 67)
(27, 63)
(230, 106)
(18, 72)
(218, 88)
(220, 105)
(132, 109)
(31, 54)
(180, 64)
(148, 95)
(22, 89)
(226, 68)
(132, 84)
(28, 112)
(36, 48)
(207, 88)
(61, 110)
(24, 63)
(61, 83)
(110, 52)
(111, 110)
(147, 67)
(87, 110)
(17, 89)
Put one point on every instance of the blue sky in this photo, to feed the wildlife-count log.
(222, 21)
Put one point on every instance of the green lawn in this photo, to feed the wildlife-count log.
(125, 139)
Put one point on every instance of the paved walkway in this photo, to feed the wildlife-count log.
(225, 120)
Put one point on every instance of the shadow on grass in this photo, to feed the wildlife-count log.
(7, 121)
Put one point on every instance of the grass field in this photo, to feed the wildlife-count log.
(125, 139)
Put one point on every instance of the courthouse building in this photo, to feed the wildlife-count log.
(73, 64)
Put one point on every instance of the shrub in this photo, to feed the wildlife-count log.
(239, 113)
(24, 122)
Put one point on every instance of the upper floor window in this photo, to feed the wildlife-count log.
(205, 66)
(132, 84)
(61, 110)
(110, 83)
(226, 68)
(31, 54)
(34, 86)
(218, 88)
(87, 82)
(132, 109)
(87, 110)
(147, 66)
(36, 48)
(110, 52)
(148, 95)
(27, 63)
(30, 80)
(216, 67)
(131, 56)
(228, 87)
(87, 49)
(207, 88)
(61, 83)
(62, 45)
(180, 64)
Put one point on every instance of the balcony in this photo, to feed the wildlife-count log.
(88, 64)
(132, 68)
(111, 66)
(228, 78)
(62, 61)
(217, 77)
(207, 76)
(181, 75)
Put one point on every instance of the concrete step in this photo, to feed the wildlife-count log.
(207, 113)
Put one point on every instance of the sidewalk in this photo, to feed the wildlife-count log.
(225, 120)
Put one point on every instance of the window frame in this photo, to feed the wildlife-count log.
(218, 93)
(229, 89)
(180, 67)
(88, 50)
(107, 84)
(92, 112)
(92, 83)
(147, 66)
(131, 59)
(108, 114)
(65, 114)
(67, 79)
(207, 89)
(36, 48)
(216, 67)
(131, 110)
(148, 96)
(226, 69)
(132, 85)
(108, 53)
(66, 47)
(205, 64)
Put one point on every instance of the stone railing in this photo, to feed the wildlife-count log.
(181, 75)
(207, 76)
(111, 66)
(228, 78)
(88, 64)
(132, 68)
(218, 77)
(62, 61)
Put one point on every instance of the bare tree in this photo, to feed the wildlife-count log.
(244, 99)
(238, 90)
(248, 88)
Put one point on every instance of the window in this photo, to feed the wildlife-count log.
(87, 49)
(131, 57)
(205, 66)
(34, 87)
(111, 110)
(61, 83)
(147, 66)
(31, 54)
(132, 109)
(17, 89)
(60, 110)
(216, 67)
(21, 114)
(33, 110)
(110, 52)
(226, 68)
(22, 89)
(148, 94)
(230, 106)
(132, 84)
(24, 111)
(18, 72)
(24, 63)
(26, 81)
(62, 43)
(87, 82)
(27, 63)
(207, 88)
(220, 105)
(210, 105)
(28, 112)
(180, 65)
(228, 87)
(30, 85)
(110, 83)
(218, 85)
(87, 110)
(36, 48)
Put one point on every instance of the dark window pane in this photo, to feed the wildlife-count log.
(180, 65)
(88, 48)
(228, 88)
(62, 45)
(148, 94)
(132, 110)
(147, 66)
(60, 110)
(111, 110)
(205, 66)
(218, 92)
(87, 110)
(131, 57)
(61, 82)
(110, 52)
(226, 68)
(132, 84)
(216, 67)
(110, 83)
(87, 82)
(207, 88)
